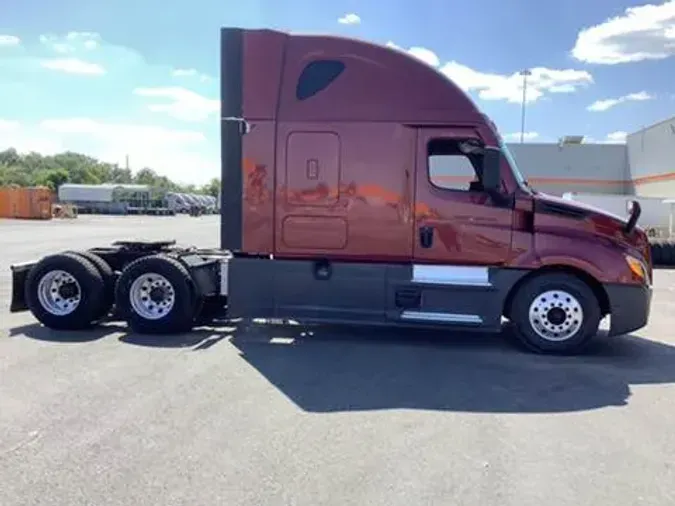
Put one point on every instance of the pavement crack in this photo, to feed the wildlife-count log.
(30, 438)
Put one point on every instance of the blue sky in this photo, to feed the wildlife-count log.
(140, 78)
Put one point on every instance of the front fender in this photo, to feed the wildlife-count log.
(600, 259)
(582, 264)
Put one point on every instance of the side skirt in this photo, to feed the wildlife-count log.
(320, 291)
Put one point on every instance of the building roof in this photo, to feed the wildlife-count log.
(107, 186)
(649, 127)
(95, 192)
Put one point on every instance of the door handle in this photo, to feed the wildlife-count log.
(426, 236)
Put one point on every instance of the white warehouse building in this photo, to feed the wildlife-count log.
(643, 166)
(651, 159)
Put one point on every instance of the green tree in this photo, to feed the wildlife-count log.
(211, 188)
(9, 157)
(32, 169)
(146, 176)
(53, 178)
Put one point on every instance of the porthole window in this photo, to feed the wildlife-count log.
(317, 76)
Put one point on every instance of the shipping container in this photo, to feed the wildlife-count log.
(26, 203)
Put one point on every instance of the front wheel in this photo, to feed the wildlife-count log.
(555, 313)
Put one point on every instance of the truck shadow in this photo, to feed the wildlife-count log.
(40, 333)
(466, 372)
(338, 369)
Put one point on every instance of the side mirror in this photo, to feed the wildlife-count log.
(491, 179)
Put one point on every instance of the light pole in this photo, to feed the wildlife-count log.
(525, 73)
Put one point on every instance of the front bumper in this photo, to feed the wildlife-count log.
(19, 274)
(629, 307)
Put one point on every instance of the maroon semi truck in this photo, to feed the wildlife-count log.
(344, 200)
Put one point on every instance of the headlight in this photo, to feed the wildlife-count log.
(637, 267)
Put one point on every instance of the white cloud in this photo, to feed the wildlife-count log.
(190, 73)
(616, 137)
(25, 140)
(178, 154)
(9, 40)
(182, 103)
(121, 132)
(73, 66)
(509, 87)
(426, 55)
(9, 125)
(421, 53)
(182, 155)
(349, 19)
(53, 44)
(82, 35)
(641, 33)
(72, 42)
(515, 136)
(603, 105)
(184, 72)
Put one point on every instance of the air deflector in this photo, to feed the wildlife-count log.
(232, 129)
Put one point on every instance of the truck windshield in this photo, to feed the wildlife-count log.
(522, 182)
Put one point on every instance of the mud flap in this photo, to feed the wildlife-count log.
(19, 275)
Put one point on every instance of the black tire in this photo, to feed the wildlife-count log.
(668, 255)
(662, 253)
(108, 276)
(181, 315)
(91, 290)
(657, 253)
(529, 295)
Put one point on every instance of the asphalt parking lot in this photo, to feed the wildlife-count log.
(283, 416)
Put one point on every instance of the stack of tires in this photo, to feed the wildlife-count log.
(77, 290)
(663, 252)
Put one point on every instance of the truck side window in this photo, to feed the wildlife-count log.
(450, 169)
(316, 76)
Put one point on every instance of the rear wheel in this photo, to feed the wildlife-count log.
(555, 313)
(108, 277)
(156, 295)
(64, 292)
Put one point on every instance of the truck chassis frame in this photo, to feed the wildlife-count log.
(318, 291)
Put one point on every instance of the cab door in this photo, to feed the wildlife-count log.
(456, 222)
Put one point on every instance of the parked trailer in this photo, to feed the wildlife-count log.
(329, 214)
(654, 218)
(176, 202)
(657, 218)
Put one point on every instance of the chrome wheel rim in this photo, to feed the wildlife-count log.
(59, 293)
(152, 296)
(556, 315)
